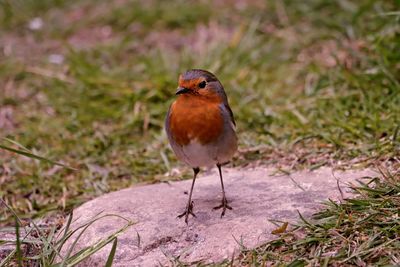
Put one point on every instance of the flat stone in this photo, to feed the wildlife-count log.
(256, 195)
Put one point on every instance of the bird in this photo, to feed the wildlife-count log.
(201, 128)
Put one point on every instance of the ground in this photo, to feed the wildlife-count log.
(88, 84)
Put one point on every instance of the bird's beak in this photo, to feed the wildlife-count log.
(181, 90)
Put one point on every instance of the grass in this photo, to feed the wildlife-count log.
(44, 244)
(311, 84)
(41, 245)
(363, 231)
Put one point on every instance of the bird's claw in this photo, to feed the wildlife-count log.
(224, 205)
(188, 210)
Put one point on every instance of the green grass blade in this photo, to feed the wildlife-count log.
(16, 143)
(297, 263)
(112, 253)
(63, 239)
(18, 243)
(31, 155)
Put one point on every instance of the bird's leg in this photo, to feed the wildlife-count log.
(189, 206)
(224, 205)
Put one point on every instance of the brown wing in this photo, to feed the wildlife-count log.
(230, 113)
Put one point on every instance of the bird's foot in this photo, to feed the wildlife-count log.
(188, 210)
(224, 205)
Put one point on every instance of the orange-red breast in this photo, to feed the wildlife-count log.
(201, 128)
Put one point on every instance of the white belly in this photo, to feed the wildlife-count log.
(196, 154)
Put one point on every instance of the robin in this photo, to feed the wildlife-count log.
(201, 127)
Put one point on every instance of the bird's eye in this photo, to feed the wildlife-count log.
(202, 84)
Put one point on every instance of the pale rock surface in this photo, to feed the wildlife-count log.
(256, 195)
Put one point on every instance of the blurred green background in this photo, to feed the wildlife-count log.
(88, 83)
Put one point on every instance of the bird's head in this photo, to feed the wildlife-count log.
(197, 82)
